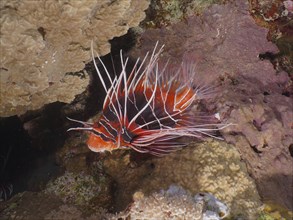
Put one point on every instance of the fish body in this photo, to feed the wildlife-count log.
(147, 112)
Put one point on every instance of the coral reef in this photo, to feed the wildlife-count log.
(213, 167)
(226, 45)
(65, 212)
(163, 206)
(73, 188)
(73, 155)
(166, 12)
(271, 10)
(157, 206)
(272, 212)
(29, 205)
(276, 16)
(42, 40)
(229, 48)
(175, 203)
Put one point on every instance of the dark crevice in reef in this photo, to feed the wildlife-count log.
(42, 31)
(291, 150)
(267, 56)
(14, 143)
(254, 148)
(25, 161)
(286, 93)
(124, 43)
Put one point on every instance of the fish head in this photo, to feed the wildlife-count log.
(99, 143)
(100, 139)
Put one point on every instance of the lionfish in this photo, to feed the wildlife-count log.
(147, 112)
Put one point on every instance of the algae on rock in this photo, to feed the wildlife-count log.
(74, 188)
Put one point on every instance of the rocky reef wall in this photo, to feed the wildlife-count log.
(46, 44)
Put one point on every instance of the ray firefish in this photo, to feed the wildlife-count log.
(149, 110)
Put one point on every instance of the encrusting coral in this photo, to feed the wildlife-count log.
(174, 203)
(43, 40)
(166, 12)
(164, 205)
(74, 188)
(212, 166)
(216, 168)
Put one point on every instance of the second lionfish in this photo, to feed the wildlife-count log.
(147, 112)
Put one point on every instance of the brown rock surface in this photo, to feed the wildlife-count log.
(42, 40)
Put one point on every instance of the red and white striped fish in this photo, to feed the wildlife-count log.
(148, 112)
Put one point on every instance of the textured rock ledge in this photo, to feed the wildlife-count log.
(44, 42)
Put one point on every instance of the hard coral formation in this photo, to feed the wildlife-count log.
(43, 40)
(213, 167)
(226, 45)
(175, 203)
(271, 11)
(166, 12)
(28, 205)
(165, 205)
(276, 16)
(74, 188)
(73, 155)
(65, 212)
